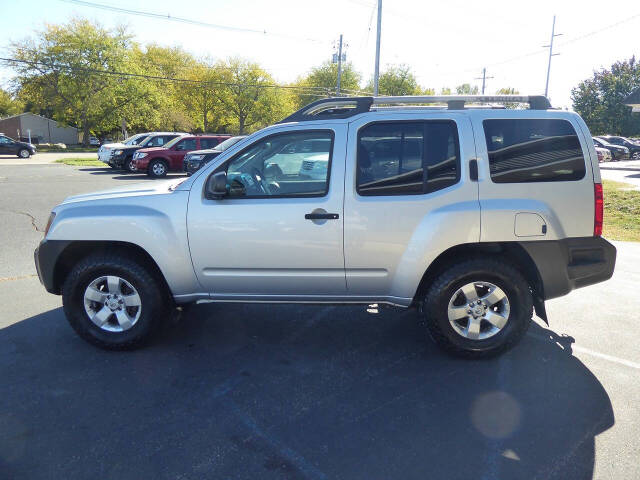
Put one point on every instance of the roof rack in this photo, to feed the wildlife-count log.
(345, 107)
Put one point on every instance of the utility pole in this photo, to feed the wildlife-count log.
(339, 66)
(551, 54)
(376, 72)
(484, 78)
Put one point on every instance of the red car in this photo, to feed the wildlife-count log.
(157, 161)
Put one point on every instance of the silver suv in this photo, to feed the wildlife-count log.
(473, 215)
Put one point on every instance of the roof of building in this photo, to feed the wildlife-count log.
(36, 115)
(633, 100)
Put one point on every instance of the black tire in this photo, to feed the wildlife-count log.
(24, 153)
(158, 169)
(495, 271)
(129, 165)
(155, 307)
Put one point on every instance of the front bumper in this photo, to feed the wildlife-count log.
(46, 257)
(564, 265)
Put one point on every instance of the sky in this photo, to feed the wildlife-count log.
(444, 42)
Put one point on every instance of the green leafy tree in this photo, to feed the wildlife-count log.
(467, 89)
(396, 81)
(61, 72)
(321, 82)
(248, 96)
(8, 104)
(599, 100)
(445, 91)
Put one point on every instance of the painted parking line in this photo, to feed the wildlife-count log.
(593, 353)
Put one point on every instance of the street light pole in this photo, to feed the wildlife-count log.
(376, 73)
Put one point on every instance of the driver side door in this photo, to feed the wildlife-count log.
(278, 234)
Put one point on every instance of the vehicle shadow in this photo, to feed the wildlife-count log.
(277, 391)
(119, 175)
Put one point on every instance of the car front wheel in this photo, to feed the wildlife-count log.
(130, 165)
(24, 153)
(478, 308)
(157, 169)
(113, 302)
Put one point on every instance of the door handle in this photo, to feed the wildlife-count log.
(321, 216)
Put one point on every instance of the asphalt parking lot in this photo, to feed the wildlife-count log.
(255, 391)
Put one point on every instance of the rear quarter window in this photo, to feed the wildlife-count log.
(533, 150)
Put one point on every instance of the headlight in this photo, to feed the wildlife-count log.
(49, 222)
(195, 157)
(118, 152)
(141, 155)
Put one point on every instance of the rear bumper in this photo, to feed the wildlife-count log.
(571, 263)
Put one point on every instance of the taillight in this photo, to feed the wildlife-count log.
(598, 213)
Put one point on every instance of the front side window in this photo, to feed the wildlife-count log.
(533, 150)
(405, 158)
(5, 140)
(294, 164)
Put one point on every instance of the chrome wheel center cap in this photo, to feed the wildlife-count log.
(478, 311)
(113, 303)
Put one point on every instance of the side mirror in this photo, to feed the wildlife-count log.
(216, 186)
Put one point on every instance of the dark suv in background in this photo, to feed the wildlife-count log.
(123, 157)
(193, 161)
(9, 146)
(634, 148)
(618, 152)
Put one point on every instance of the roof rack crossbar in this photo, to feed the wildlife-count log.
(345, 107)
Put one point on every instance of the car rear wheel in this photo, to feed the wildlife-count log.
(478, 308)
(114, 302)
(24, 153)
(157, 168)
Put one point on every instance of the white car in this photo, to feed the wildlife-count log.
(106, 151)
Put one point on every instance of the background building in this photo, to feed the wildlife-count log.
(41, 129)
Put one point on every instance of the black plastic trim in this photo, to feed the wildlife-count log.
(46, 256)
(571, 263)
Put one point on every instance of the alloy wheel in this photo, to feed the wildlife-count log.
(478, 310)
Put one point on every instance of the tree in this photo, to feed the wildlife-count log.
(467, 89)
(248, 96)
(62, 71)
(396, 81)
(8, 104)
(509, 91)
(321, 82)
(599, 100)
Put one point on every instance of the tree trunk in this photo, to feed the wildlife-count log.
(241, 125)
(85, 133)
(204, 119)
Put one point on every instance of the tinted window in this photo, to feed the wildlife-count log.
(403, 158)
(187, 144)
(282, 165)
(157, 141)
(533, 151)
(6, 140)
(208, 143)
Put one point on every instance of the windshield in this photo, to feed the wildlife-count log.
(172, 142)
(222, 146)
(135, 139)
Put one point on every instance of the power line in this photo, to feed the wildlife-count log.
(307, 89)
(189, 21)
